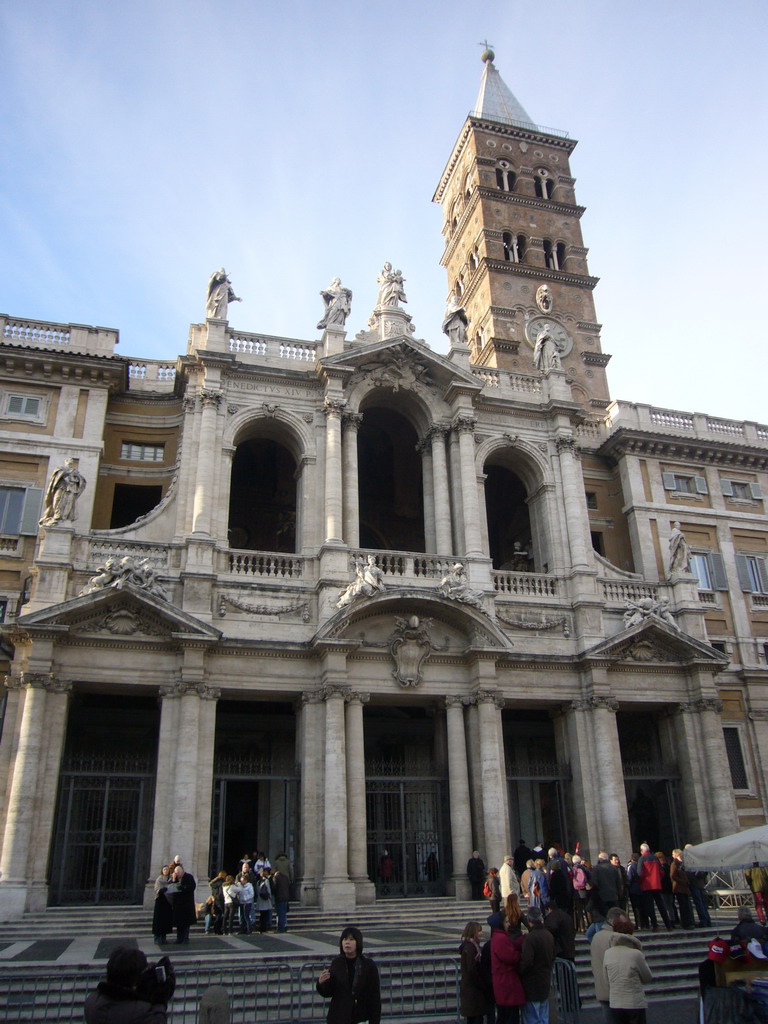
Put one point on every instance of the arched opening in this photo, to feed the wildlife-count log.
(560, 255)
(543, 184)
(550, 257)
(509, 524)
(390, 482)
(262, 500)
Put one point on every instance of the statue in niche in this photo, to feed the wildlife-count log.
(220, 294)
(410, 648)
(338, 303)
(64, 488)
(455, 586)
(546, 355)
(544, 298)
(369, 579)
(455, 321)
(679, 552)
(391, 291)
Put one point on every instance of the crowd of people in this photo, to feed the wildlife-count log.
(258, 888)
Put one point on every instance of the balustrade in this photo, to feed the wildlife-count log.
(272, 348)
(621, 592)
(265, 564)
(525, 584)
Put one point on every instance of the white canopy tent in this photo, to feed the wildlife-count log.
(741, 850)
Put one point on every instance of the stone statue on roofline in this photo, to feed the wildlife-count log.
(220, 294)
(391, 290)
(338, 303)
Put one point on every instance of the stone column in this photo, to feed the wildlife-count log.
(442, 491)
(311, 757)
(333, 410)
(337, 892)
(365, 890)
(707, 792)
(609, 779)
(573, 499)
(350, 425)
(493, 774)
(424, 448)
(169, 698)
(458, 786)
(465, 428)
(206, 470)
(34, 750)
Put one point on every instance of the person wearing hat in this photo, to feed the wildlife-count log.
(747, 929)
(134, 993)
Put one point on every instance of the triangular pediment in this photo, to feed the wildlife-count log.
(655, 641)
(402, 363)
(120, 612)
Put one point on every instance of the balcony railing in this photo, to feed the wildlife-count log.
(265, 564)
(525, 584)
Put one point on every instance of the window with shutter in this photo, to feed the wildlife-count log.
(668, 479)
(701, 485)
(726, 488)
(753, 574)
(739, 778)
(755, 492)
(717, 566)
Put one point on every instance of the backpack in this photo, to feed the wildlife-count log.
(487, 891)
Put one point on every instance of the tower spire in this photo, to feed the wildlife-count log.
(495, 100)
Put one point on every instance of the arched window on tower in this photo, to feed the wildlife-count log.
(473, 260)
(560, 255)
(543, 183)
(467, 186)
(550, 255)
(505, 177)
(511, 247)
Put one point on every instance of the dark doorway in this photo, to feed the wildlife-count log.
(390, 483)
(103, 828)
(131, 501)
(262, 500)
(651, 783)
(537, 783)
(508, 519)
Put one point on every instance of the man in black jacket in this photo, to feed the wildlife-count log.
(351, 983)
(535, 968)
(476, 875)
(133, 993)
(562, 929)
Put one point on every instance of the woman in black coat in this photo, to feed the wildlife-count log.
(162, 915)
(474, 1005)
(351, 983)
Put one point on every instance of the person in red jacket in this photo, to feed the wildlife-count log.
(650, 872)
(506, 947)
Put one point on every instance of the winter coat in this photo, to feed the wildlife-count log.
(113, 1004)
(162, 915)
(606, 878)
(361, 1001)
(626, 972)
(600, 942)
(263, 894)
(473, 1001)
(475, 869)
(508, 880)
(563, 932)
(183, 902)
(536, 959)
(283, 865)
(495, 884)
(651, 876)
(679, 878)
(505, 956)
(282, 887)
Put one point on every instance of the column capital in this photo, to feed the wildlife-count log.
(351, 421)
(566, 443)
(423, 446)
(488, 697)
(465, 424)
(356, 697)
(438, 431)
(311, 696)
(594, 703)
(209, 397)
(758, 716)
(334, 407)
(38, 681)
(181, 689)
(456, 702)
(699, 705)
(333, 690)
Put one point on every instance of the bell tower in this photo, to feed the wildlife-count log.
(513, 246)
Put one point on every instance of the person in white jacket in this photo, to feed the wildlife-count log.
(626, 972)
(508, 878)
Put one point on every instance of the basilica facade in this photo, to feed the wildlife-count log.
(368, 604)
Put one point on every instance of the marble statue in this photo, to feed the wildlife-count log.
(455, 585)
(645, 608)
(544, 298)
(456, 321)
(116, 572)
(220, 294)
(369, 579)
(679, 553)
(338, 303)
(391, 291)
(64, 488)
(546, 355)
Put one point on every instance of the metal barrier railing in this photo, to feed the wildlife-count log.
(566, 985)
(262, 993)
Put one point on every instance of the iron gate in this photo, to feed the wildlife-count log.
(408, 841)
(103, 833)
(537, 801)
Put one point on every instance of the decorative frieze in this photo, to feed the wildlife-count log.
(291, 608)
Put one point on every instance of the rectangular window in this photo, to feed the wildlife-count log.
(736, 763)
(591, 499)
(138, 451)
(709, 569)
(683, 484)
(23, 405)
(20, 510)
(741, 489)
(753, 575)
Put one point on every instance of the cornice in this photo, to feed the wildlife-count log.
(518, 199)
(541, 273)
(69, 367)
(516, 132)
(596, 358)
(720, 453)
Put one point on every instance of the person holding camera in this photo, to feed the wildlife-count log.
(134, 992)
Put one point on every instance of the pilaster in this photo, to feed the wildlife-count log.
(458, 786)
(365, 890)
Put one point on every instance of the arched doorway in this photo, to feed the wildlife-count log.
(508, 518)
(390, 482)
(262, 499)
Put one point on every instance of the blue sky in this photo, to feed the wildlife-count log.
(146, 144)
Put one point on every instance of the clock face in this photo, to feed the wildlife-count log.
(561, 337)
